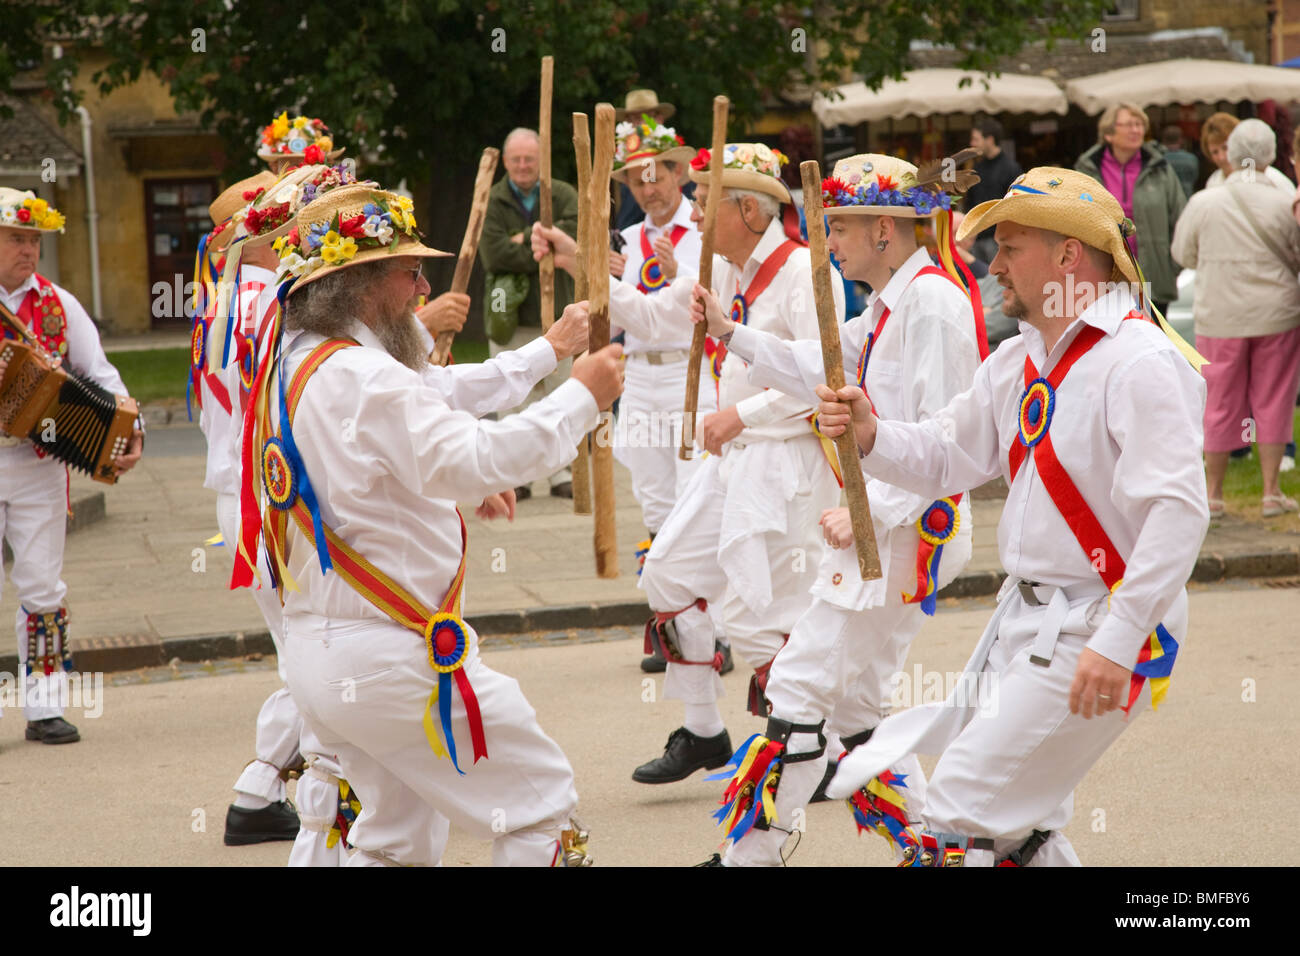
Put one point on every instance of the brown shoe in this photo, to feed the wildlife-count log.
(563, 490)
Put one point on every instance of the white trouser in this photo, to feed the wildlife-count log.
(279, 725)
(33, 519)
(684, 564)
(648, 433)
(523, 335)
(364, 687)
(838, 666)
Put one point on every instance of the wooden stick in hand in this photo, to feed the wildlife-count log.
(716, 149)
(546, 268)
(487, 167)
(855, 485)
(582, 148)
(602, 455)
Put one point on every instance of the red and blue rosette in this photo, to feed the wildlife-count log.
(715, 351)
(278, 476)
(880, 807)
(652, 276)
(936, 527)
(247, 366)
(739, 310)
(448, 647)
(750, 797)
(1037, 404)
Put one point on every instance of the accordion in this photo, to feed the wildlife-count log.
(76, 421)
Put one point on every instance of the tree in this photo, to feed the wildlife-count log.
(420, 86)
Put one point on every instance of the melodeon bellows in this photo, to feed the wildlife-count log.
(76, 421)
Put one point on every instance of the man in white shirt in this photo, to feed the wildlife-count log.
(1093, 417)
(33, 485)
(401, 713)
(913, 349)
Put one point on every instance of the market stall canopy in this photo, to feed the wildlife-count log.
(930, 92)
(1184, 81)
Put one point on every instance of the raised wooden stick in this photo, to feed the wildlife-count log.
(582, 147)
(602, 454)
(855, 485)
(716, 149)
(487, 167)
(546, 268)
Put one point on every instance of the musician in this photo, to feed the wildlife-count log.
(33, 486)
(1094, 419)
(915, 348)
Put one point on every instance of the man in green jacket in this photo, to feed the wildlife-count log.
(512, 302)
(1148, 188)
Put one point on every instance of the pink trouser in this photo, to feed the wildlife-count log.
(1250, 389)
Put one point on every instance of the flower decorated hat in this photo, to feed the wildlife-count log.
(345, 227)
(753, 166)
(300, 138)
(640, 144)
(877, 185)
(25, 210)
(272, 210)
(230, 206)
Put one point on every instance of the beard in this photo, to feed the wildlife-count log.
(398, 332)
(1013, 307)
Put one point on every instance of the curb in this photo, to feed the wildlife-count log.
(129, 652)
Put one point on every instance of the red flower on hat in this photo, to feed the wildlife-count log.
(24, 215)
(353, 227)
(293, 236)
(312, 154)
(251, 194)
(831, 186)
(680, 141)
(701, 160)
(886, 182)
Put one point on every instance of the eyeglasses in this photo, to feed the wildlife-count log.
(700, 209)
(415, 273)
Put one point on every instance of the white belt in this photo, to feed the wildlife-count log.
(1057, 601)
(662, 357)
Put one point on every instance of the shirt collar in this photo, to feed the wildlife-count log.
(535, 191)
(900, 280)
(26, 285)
(681, 217)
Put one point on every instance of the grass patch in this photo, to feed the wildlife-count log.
(467, 352)
(153, 375)
(1243, 486)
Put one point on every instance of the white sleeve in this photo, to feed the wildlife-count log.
(498, 384)
(650, 317)
(795, 368)
(85, 353)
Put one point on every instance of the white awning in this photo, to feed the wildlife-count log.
(1170, 82)
(931, 92)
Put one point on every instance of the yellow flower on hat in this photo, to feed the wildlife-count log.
(348, 248)
(331, 253)
(331, 238)
(325, 143)
(37, 206)
(280, 126)
(52, 219)
(300, 121)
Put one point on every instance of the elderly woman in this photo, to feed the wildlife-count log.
(1137, 174)
(1245, 247)
(1214, 143)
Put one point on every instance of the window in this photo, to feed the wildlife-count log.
(1122, 10)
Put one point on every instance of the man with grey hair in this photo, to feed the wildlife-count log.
(512, 300)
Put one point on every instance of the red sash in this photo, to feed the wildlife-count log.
(1037, 405)
(443, 629)
(651, 278)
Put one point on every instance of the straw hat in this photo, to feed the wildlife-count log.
(272, 213)
(347, 226)
(644, 101)
(1061, 200)
(755, 166)
(285, 138)
(639, 145)
(231, 204)
(876, 185)
(25, 210)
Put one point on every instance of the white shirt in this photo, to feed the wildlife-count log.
(925, 357)
(1126, 427)
(388, 460)
(85, 353)
(786, 309)
(687, 254)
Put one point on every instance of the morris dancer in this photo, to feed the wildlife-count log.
(350, 334)
(915, 348)
(1094, 419)
(33, 486)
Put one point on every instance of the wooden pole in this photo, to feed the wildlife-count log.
(855, 485)
(487, 167)
(716, 148)
(546, 268)
(582, 148)
(602, 454)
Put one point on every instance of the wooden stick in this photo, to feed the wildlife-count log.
(716, 149)
(602, 454)
(546, 268)
(582, 147)
(487, 167)
(855, 485)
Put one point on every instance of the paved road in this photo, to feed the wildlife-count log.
(149, 783)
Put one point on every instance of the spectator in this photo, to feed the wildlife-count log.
(512, 302)
(1185, 164)
(1214, 143)
(997, 171)
(1147, 188)
(1245, 247)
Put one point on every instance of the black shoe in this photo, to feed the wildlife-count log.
(684, 754)
(655, 663)
(279, 821)
(714, 860)
(725, 651)
(52, 730)
(523, 493)
(819, 795)
(563, 490)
